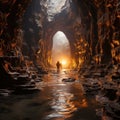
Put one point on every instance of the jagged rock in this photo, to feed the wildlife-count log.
(116, 76)
(91, 86)
(103, 100)
(38, 79)
(5, 92)
(22, 79)
(110, 93)
(68, 79)
(113, 110)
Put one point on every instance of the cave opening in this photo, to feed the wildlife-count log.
(61, 50)
(55, 7)
(41, 20)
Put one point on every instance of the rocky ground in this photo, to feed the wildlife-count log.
(18, 79)
(103, 81)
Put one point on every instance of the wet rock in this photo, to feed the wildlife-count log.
(33, 76)
(38, 80)
(14, 74)
(102, 99)
(110, 93)
(113, 110)
(5, 92)
(91, 89)
(91, 86)
(94, 71)
(22, 79)
(68, 79)
(22, 90)
(24, 85)
(42, 70)
(116, 77)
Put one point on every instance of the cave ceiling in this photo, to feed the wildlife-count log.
(44, 15)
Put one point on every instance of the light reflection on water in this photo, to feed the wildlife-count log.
(64, 102)
(57, 101)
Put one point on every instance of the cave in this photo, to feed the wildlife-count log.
(83, 35)
(36, 22)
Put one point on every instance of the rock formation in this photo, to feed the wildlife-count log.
(92, 27)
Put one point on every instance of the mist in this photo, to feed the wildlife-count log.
(61, 49)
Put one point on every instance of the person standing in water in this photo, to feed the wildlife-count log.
(58, 65)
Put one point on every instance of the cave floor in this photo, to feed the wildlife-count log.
(58, 99)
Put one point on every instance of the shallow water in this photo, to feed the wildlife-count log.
(57, 100)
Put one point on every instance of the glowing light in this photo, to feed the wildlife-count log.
(63, 62)
(61, 50)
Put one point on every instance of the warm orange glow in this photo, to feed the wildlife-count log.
(84, 103)
(63, 62)
(61, 50)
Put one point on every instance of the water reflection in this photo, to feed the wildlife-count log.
(65, 98)
(63, 104)
(57, 101)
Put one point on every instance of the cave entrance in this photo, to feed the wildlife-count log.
(61, 50)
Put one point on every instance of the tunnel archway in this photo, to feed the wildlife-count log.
(69, 21)
(95, 21)
(61, 49)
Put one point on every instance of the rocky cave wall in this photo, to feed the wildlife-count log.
(11, 13)
(108, 30)
(94, 31)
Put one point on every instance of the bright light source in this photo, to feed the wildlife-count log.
(64, 62)
(61, 50)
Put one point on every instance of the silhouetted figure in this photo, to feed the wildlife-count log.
(58, 65)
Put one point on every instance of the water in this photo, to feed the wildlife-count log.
(57, 100)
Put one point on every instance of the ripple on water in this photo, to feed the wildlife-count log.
(62, 105)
